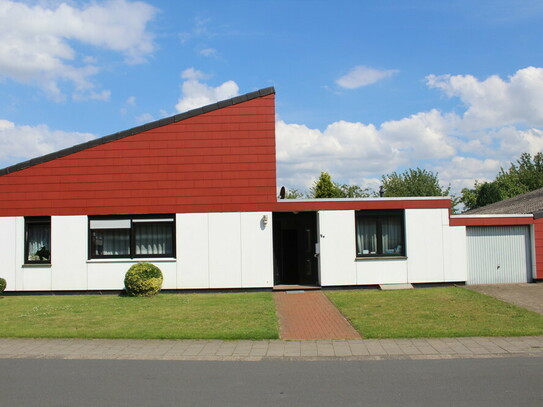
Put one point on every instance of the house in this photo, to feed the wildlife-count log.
(196, 195)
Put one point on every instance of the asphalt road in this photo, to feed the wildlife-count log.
(456, 382)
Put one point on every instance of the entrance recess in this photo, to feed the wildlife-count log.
(294, 248)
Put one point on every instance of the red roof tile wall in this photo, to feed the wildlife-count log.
(219, 161)
(538, 238)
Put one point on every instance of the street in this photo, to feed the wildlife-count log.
(509, 381)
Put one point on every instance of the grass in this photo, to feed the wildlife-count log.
(174, 316)
(435, 312)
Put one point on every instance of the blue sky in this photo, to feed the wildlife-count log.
(363, 88)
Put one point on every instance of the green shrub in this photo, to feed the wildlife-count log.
(2, 285)
(143, 280)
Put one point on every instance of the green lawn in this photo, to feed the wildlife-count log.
(166, 316)
(433, 312)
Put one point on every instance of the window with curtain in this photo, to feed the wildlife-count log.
(380, 233)
(131, 236)
(38, 240)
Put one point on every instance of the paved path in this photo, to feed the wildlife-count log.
(310, 315)
(352, 349)
(529, 296)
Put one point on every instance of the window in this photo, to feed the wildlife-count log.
(131, 236)
(38, 240)
(380, 233)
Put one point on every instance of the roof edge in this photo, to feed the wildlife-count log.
(138, 129)
(488, 215)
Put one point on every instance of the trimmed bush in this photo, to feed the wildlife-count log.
(2, 285)
(143, 280)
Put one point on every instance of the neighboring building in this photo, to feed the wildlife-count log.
(196, 195)
(505, 240)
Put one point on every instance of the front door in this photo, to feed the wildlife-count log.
(294, 248)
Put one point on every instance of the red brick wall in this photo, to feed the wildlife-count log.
(223, 160)
(538, 237)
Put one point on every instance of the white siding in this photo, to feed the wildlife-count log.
(256, 250)
(69, 252)
(8, 232)
(224, 250)
(424, 243)
(455, 253)
(499, 254)
(192, 250)
(337, 248)
(109, 274)
(436, 252)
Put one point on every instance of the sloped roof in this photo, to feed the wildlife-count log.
(528, 203)
(138, 129)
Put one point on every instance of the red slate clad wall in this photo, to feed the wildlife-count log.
(538, 238)
(219, 161)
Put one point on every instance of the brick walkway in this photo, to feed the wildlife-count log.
(310, 315)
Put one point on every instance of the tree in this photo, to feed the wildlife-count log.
(324, 187)
(523, 176)
(413, 182)
(294, 194)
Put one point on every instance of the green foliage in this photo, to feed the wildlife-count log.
(413, 182)
(523, 176)
(324, 187)
(294, 194)
(2, 285)
(143, 280)
(433, 312)
(169, 316)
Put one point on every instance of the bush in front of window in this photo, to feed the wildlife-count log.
(2, 285)
(143, 280)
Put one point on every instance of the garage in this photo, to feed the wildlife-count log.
(499, 254)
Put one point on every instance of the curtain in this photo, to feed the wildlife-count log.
(153, 238)
(391, 230)
(366, 235)
(111, 242)
(39, 241)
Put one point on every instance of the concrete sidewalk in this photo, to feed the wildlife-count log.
(351, 349)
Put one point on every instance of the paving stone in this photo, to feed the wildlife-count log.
(311, 315)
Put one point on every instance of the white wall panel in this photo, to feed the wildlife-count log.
(109, 274)
(69, 252)
(192, 250)
(256, 250)
(338, 248)
(36, 278)
(19, 251)
(454, 255)
(389, 271)
(8, 230)
(424, 245)
(224, 250)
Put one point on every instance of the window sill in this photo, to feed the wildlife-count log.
(37, 265)
(137, 260)
(381, 258)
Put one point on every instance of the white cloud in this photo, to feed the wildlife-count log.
(195, 93)
(131, 101)
(495, 102)
(18, 143)
(362, 76)
(208, 52)
(36, 42)
(502, 119)
(145, 118)
(193, 74)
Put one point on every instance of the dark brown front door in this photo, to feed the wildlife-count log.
(294, 240)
